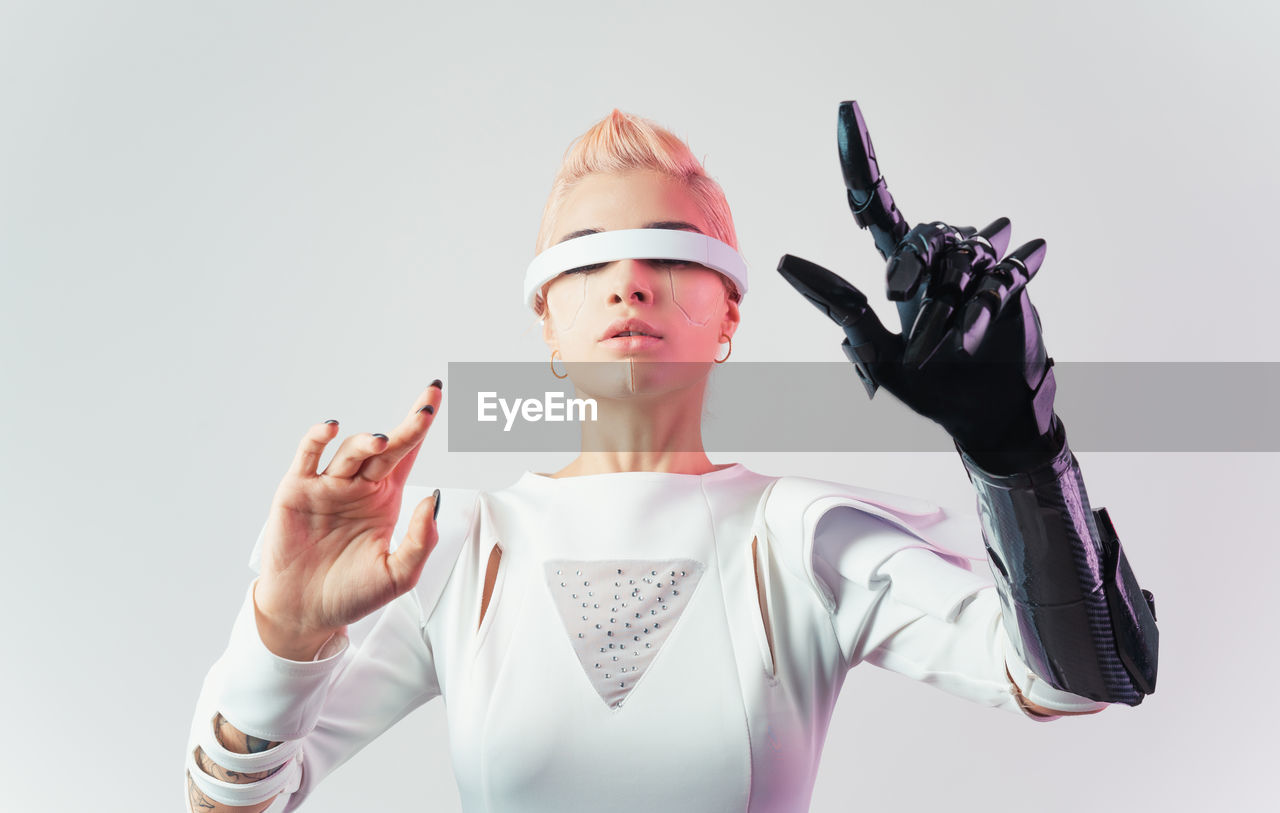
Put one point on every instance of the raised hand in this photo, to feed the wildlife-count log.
(325, 555)
(970, 355)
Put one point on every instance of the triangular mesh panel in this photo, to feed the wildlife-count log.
(619, 613)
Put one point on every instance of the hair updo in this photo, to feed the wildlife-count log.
(621, 142)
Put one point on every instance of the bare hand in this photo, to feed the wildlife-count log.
(325, 555)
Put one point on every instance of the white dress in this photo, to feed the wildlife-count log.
(623, 661)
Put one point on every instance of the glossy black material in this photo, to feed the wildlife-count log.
(997, 402)
(869, 199)
(1069, 600)
(971, 358)
(970, 355)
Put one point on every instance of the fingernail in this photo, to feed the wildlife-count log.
(331, 420)
(379, 435)
(438, 384)
(430, 410)
(436, 508)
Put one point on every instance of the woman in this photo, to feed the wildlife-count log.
(642, 629)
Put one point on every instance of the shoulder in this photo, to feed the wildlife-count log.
(795, 507)
(793, 497)
(857, 532)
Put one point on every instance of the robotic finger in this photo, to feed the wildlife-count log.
(960, 263)
(869, 198)
(996, 287)
(868, 343)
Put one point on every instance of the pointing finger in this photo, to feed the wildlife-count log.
(408, 436)
(869, 198)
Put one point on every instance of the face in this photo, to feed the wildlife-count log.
(684, 305)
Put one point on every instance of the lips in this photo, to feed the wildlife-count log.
(629, 328)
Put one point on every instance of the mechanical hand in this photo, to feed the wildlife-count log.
(970, 357)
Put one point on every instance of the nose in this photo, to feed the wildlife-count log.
(632, 281)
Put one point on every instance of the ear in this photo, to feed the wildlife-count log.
(548, 331)
(732, 318)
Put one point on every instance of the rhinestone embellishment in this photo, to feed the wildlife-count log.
(641, 604)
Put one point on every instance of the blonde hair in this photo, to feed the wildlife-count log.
(621, 142)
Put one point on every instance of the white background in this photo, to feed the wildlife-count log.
(222, 222)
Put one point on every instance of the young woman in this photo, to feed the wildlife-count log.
(644, 629)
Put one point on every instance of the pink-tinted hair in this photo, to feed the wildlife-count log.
(621, 142)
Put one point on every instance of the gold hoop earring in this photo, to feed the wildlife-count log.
(726, 355)
(555, 353)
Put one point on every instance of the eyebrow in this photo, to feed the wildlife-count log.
(679, 225)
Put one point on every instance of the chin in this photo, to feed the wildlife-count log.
(636, 376)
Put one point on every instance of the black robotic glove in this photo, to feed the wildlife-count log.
(970, 356)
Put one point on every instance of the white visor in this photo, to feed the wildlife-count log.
(634, 244)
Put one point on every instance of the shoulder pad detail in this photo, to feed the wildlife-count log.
(795, 505)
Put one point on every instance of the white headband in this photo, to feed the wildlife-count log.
(634, 244)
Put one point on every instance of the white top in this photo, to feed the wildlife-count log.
(623, 654)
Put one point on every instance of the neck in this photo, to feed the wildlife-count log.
(645, 432)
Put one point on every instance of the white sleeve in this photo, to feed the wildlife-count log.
(324, 711)
(321, 712)
(902, 605)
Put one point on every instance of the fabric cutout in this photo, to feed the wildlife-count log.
(619, 613)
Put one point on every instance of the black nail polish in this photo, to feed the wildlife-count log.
(438, 384)
(380, 435)
(331, 420)
(436, 509)
(430, 410)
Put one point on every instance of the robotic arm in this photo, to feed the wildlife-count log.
(971, 358)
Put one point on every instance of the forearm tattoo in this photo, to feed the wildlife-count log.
(232, 739)
(216, 771)
(196, 798)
